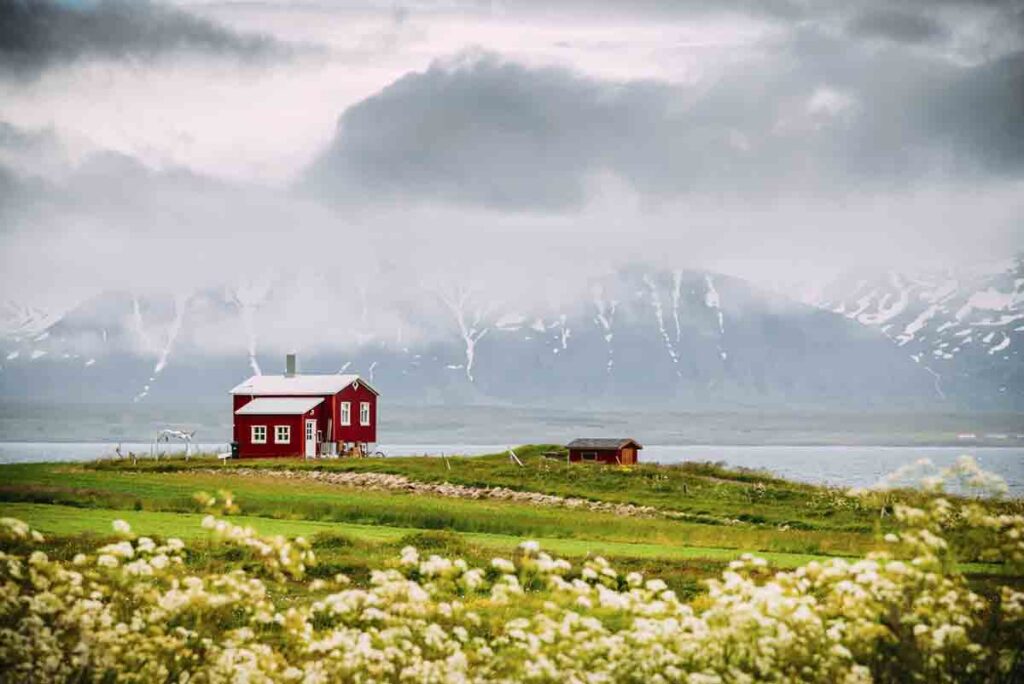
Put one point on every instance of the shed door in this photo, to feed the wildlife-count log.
(310, 437)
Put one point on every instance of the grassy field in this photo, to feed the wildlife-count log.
(725, 512)
(702, 490)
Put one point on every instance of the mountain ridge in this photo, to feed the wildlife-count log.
(640, 336)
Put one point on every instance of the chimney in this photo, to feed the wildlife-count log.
(289, 365)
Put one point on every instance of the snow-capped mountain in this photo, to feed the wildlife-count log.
(965, 327)
(638, 337)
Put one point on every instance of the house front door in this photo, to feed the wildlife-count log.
(310, 437)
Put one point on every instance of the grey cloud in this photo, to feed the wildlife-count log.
(917, 115)
(38, 34)
(783, 9)
(21, 196)
(982, 112)
(485, 132)
(897, 25)
(816, 116)
(791, 11)
(22, 152)
(111, 192)
(31, 151)
(10, 192)
(19, 139)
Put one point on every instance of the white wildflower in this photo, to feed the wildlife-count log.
(503, 565)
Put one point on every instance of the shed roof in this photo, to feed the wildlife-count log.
(603, 443)
(279, 406)
(298, 384)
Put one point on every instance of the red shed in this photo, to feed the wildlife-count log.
(303, 416)
(621, 451)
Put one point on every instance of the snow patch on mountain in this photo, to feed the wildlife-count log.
(510, 322)
(469, 316)
(989, 300)
(677, 286)
(563, 335)
(1003, 344)
(713, 301)
(659, 316)
(917, 324)
(605, 319)
(249, 297)
(961, 320)
(891, 305)
(164, 355)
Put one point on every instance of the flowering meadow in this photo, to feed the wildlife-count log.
(134, 610)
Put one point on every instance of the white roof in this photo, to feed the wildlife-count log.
(279, 406)
(298, 384)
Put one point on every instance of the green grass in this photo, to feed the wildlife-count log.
(706, 492)
(728, 512)
(67, 520)
(172, 491)
(699, 489)
(355, 550)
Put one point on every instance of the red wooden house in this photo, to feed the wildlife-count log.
(303, 415)
(620, 451)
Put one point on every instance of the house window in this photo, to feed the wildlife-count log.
(282, 434)
(364, 413)
(589, 455)
(259, 434)
(346, 413)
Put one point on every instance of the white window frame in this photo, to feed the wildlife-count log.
(282, 434)
(588, 455)
(364, 413)
(255, 430)
(346, 413)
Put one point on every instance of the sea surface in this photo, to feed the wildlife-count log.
(462, 425)
(845, 466)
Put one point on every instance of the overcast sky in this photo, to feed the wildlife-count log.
(143, 145)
